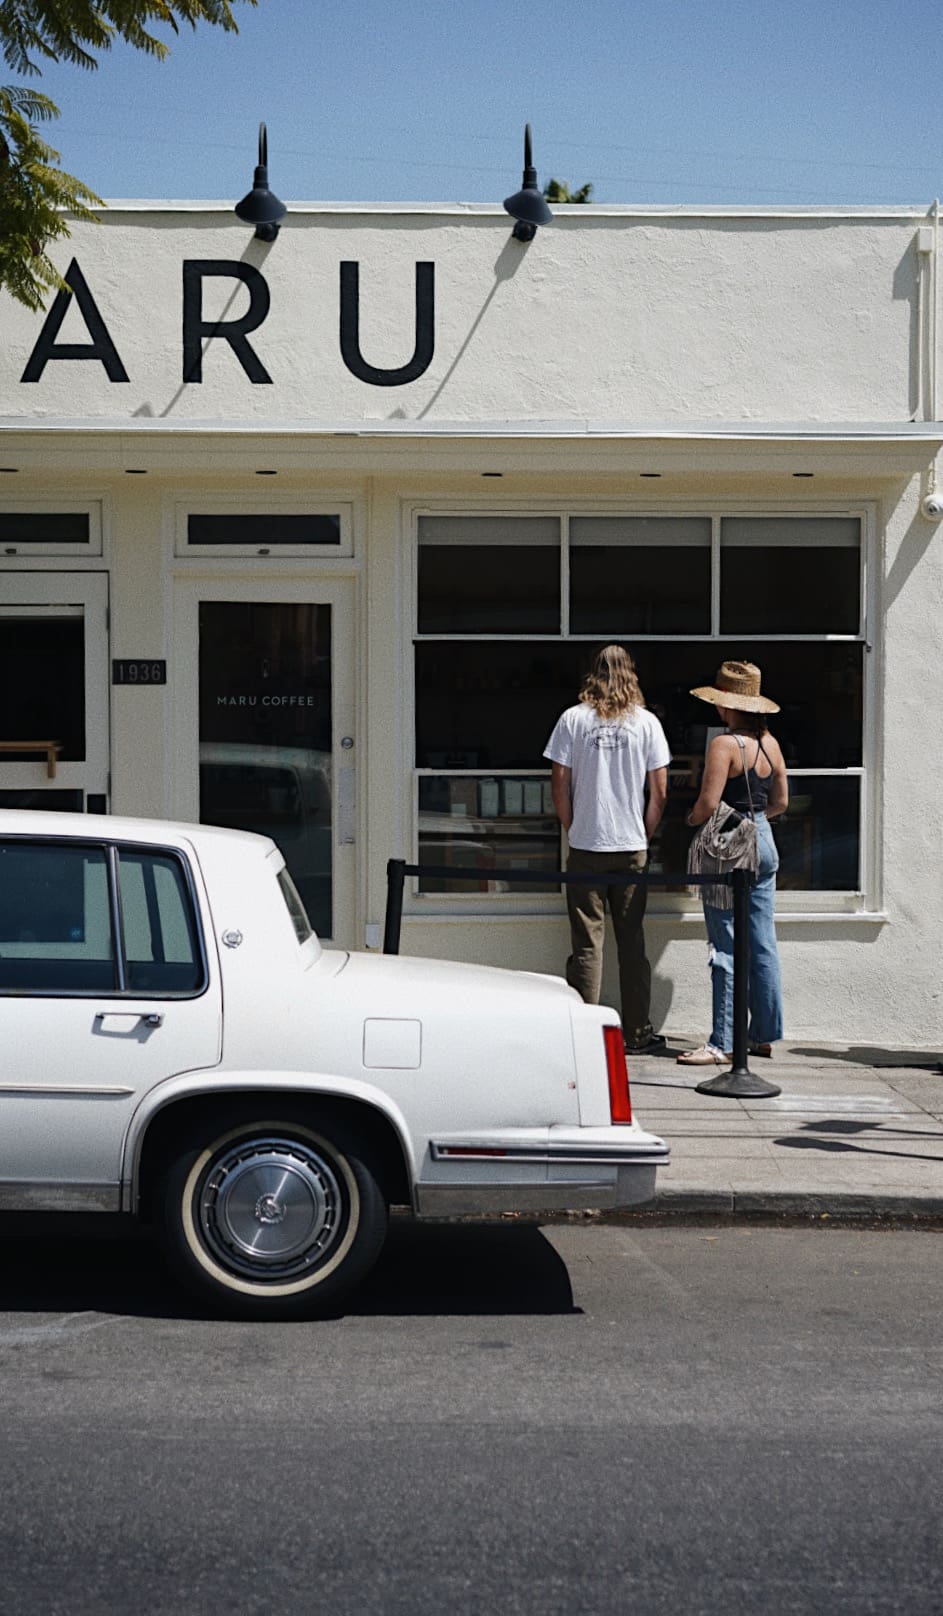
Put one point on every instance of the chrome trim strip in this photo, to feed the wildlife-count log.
(39, 1197)
(112, 1090)
(639, 1156)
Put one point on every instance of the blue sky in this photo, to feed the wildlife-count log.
(674, 101)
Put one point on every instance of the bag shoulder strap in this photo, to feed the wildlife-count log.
(746, 773)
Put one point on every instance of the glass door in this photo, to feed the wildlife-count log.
(265, 713)
(54, 677)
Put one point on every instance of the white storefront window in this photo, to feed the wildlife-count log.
(509, 608)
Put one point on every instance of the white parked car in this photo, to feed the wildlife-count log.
(178, 1046)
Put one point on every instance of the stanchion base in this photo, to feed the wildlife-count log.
(739, 1086)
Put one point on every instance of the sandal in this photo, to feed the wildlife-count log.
(706, 1055)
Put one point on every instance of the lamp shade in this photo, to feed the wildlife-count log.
(528, 204)
(260, 205)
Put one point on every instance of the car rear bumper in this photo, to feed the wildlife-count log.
(539, 1170)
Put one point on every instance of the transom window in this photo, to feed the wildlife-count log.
(41, 528)
(275, 530)
(510, 610)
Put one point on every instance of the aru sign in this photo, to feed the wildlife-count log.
(198, 331)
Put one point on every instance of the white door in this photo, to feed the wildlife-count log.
(265, 733)
(106, 988)
(54, 674)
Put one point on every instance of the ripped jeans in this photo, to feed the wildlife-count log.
(765, 986)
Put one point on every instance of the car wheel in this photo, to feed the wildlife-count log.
(272, 1218)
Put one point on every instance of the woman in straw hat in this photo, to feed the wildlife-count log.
(744, 769)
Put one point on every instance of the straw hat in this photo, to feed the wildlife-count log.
(738, 686)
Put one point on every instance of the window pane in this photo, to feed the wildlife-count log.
(640, 575)
(790, 575)
(42, 660)
(492, 704)
(489, 575)
(53, 801)
(818, 836)
(55, 920)
(263, 530)
(159, 930)
(43, 528)
(819, 687)
(296, 908)
(265, 733)
(487, 823)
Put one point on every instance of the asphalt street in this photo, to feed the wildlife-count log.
(645, 1418)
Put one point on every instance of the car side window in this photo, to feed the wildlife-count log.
(161, 946)
(296, 908)
(56, 931)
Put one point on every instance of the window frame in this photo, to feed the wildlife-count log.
(47, 505)
(112, 850)
(867, 897)
(253, 503)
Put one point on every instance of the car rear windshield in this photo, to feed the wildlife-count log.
(299, 915)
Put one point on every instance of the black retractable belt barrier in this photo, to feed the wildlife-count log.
(737, 1084)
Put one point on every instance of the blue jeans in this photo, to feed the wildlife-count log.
(765, 986)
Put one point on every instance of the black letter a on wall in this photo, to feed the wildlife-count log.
(101, 346)
(350, 329)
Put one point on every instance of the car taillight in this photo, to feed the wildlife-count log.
(620, 1105)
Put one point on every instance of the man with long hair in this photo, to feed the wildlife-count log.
(605, 752)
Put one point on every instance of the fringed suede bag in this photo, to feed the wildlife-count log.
(724, 843)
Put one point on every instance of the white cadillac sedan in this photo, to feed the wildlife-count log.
(177, 1046)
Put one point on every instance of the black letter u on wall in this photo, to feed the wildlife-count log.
(350, 329)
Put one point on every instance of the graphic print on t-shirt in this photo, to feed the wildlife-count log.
(609, 737)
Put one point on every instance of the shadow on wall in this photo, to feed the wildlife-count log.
(507, 263)
(913, 547)
(906, 290)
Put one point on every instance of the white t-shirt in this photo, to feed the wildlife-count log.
(610, 758)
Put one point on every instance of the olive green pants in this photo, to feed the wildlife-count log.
(586, 906)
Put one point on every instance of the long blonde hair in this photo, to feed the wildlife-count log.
(612, 686)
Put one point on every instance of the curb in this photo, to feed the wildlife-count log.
(805, 1204)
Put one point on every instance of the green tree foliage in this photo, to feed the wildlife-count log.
(559, 191)
(36, 195)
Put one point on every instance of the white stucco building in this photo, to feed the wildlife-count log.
(318, 536)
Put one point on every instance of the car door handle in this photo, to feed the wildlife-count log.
(118, 1021)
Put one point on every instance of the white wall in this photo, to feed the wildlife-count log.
(606, 315)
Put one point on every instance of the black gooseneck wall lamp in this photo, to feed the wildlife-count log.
(527, 206)
(260, 206)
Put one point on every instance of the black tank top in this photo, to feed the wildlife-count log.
(735, 792)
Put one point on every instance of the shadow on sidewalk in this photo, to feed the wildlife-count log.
(858, 1148)
(922, 1060)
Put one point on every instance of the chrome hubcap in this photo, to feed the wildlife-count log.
(270, 1208)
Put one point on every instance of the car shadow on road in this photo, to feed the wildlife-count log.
(430, 1268)
(65, 1264)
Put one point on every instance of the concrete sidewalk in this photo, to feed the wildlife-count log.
(856, 1132)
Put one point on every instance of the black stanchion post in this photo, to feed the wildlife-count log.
(741, 971)
(740, 1083)
(395, 883)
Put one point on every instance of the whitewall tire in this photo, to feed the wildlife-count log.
(272, 1218)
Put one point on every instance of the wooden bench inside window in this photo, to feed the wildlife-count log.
(50, 748)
